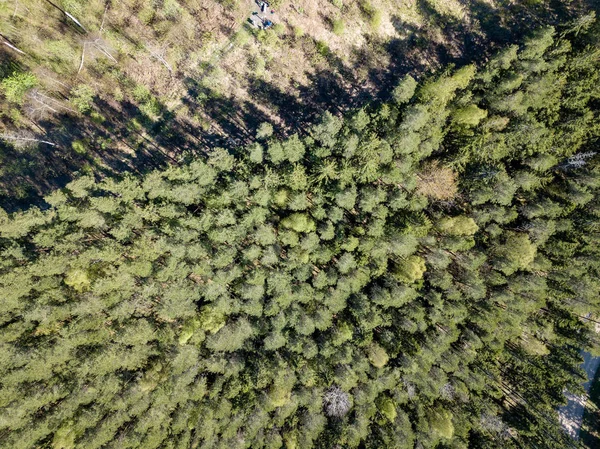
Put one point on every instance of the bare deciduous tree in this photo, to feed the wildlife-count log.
(100, 46)
(39, 104)
(25, 139)
(6, 41)
(160, 55)
(577, 160)
(336, 402)
(492, 423)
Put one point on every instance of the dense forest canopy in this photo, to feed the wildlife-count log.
(414, 275)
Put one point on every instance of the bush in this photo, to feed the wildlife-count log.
(79, 147)
(322, 48)
(264, 130)
(338, 26)
(373, 15)
(375, 19)
(16, 86)
(83, 98)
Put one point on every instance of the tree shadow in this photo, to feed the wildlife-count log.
(127, 140)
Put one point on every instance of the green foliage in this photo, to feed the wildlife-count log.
(516, 253)
(338, 26)
(299, 223)
(231, 337)
(78, 279)
(387, 408)
(405, 90)
(441, 423)
(377, 355)
(79, 146)
(470, 115)
(460, 225)
(83, 98)
(373, 14)
(264, 130)
(16, 86)
(410, 270)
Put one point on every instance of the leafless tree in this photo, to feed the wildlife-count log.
(410, 388)
(25, 139)
(492, 423)
(578, 160)
(447, 391)
(336, 402)
(40, 104)
(98, 44)
(160, 55)
(69, 16)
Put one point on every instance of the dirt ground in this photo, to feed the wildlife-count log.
(335, 55)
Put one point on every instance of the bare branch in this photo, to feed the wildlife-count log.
(82, 57)
(100, 46)
(14, 48)
(160, 57)
(43, 105)
(47, 102)
(56, 81)
(103, 49)
(9, 44)
(103, 17)
(70, 16)
(26, 139)
(336, 402)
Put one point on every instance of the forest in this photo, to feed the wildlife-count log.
(412, 273)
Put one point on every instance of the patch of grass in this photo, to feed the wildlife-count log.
(322, 48)
(372, 14)
(338, 26)
(79, 146)
(242, 37)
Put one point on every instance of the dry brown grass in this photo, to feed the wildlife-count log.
(437, 182)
